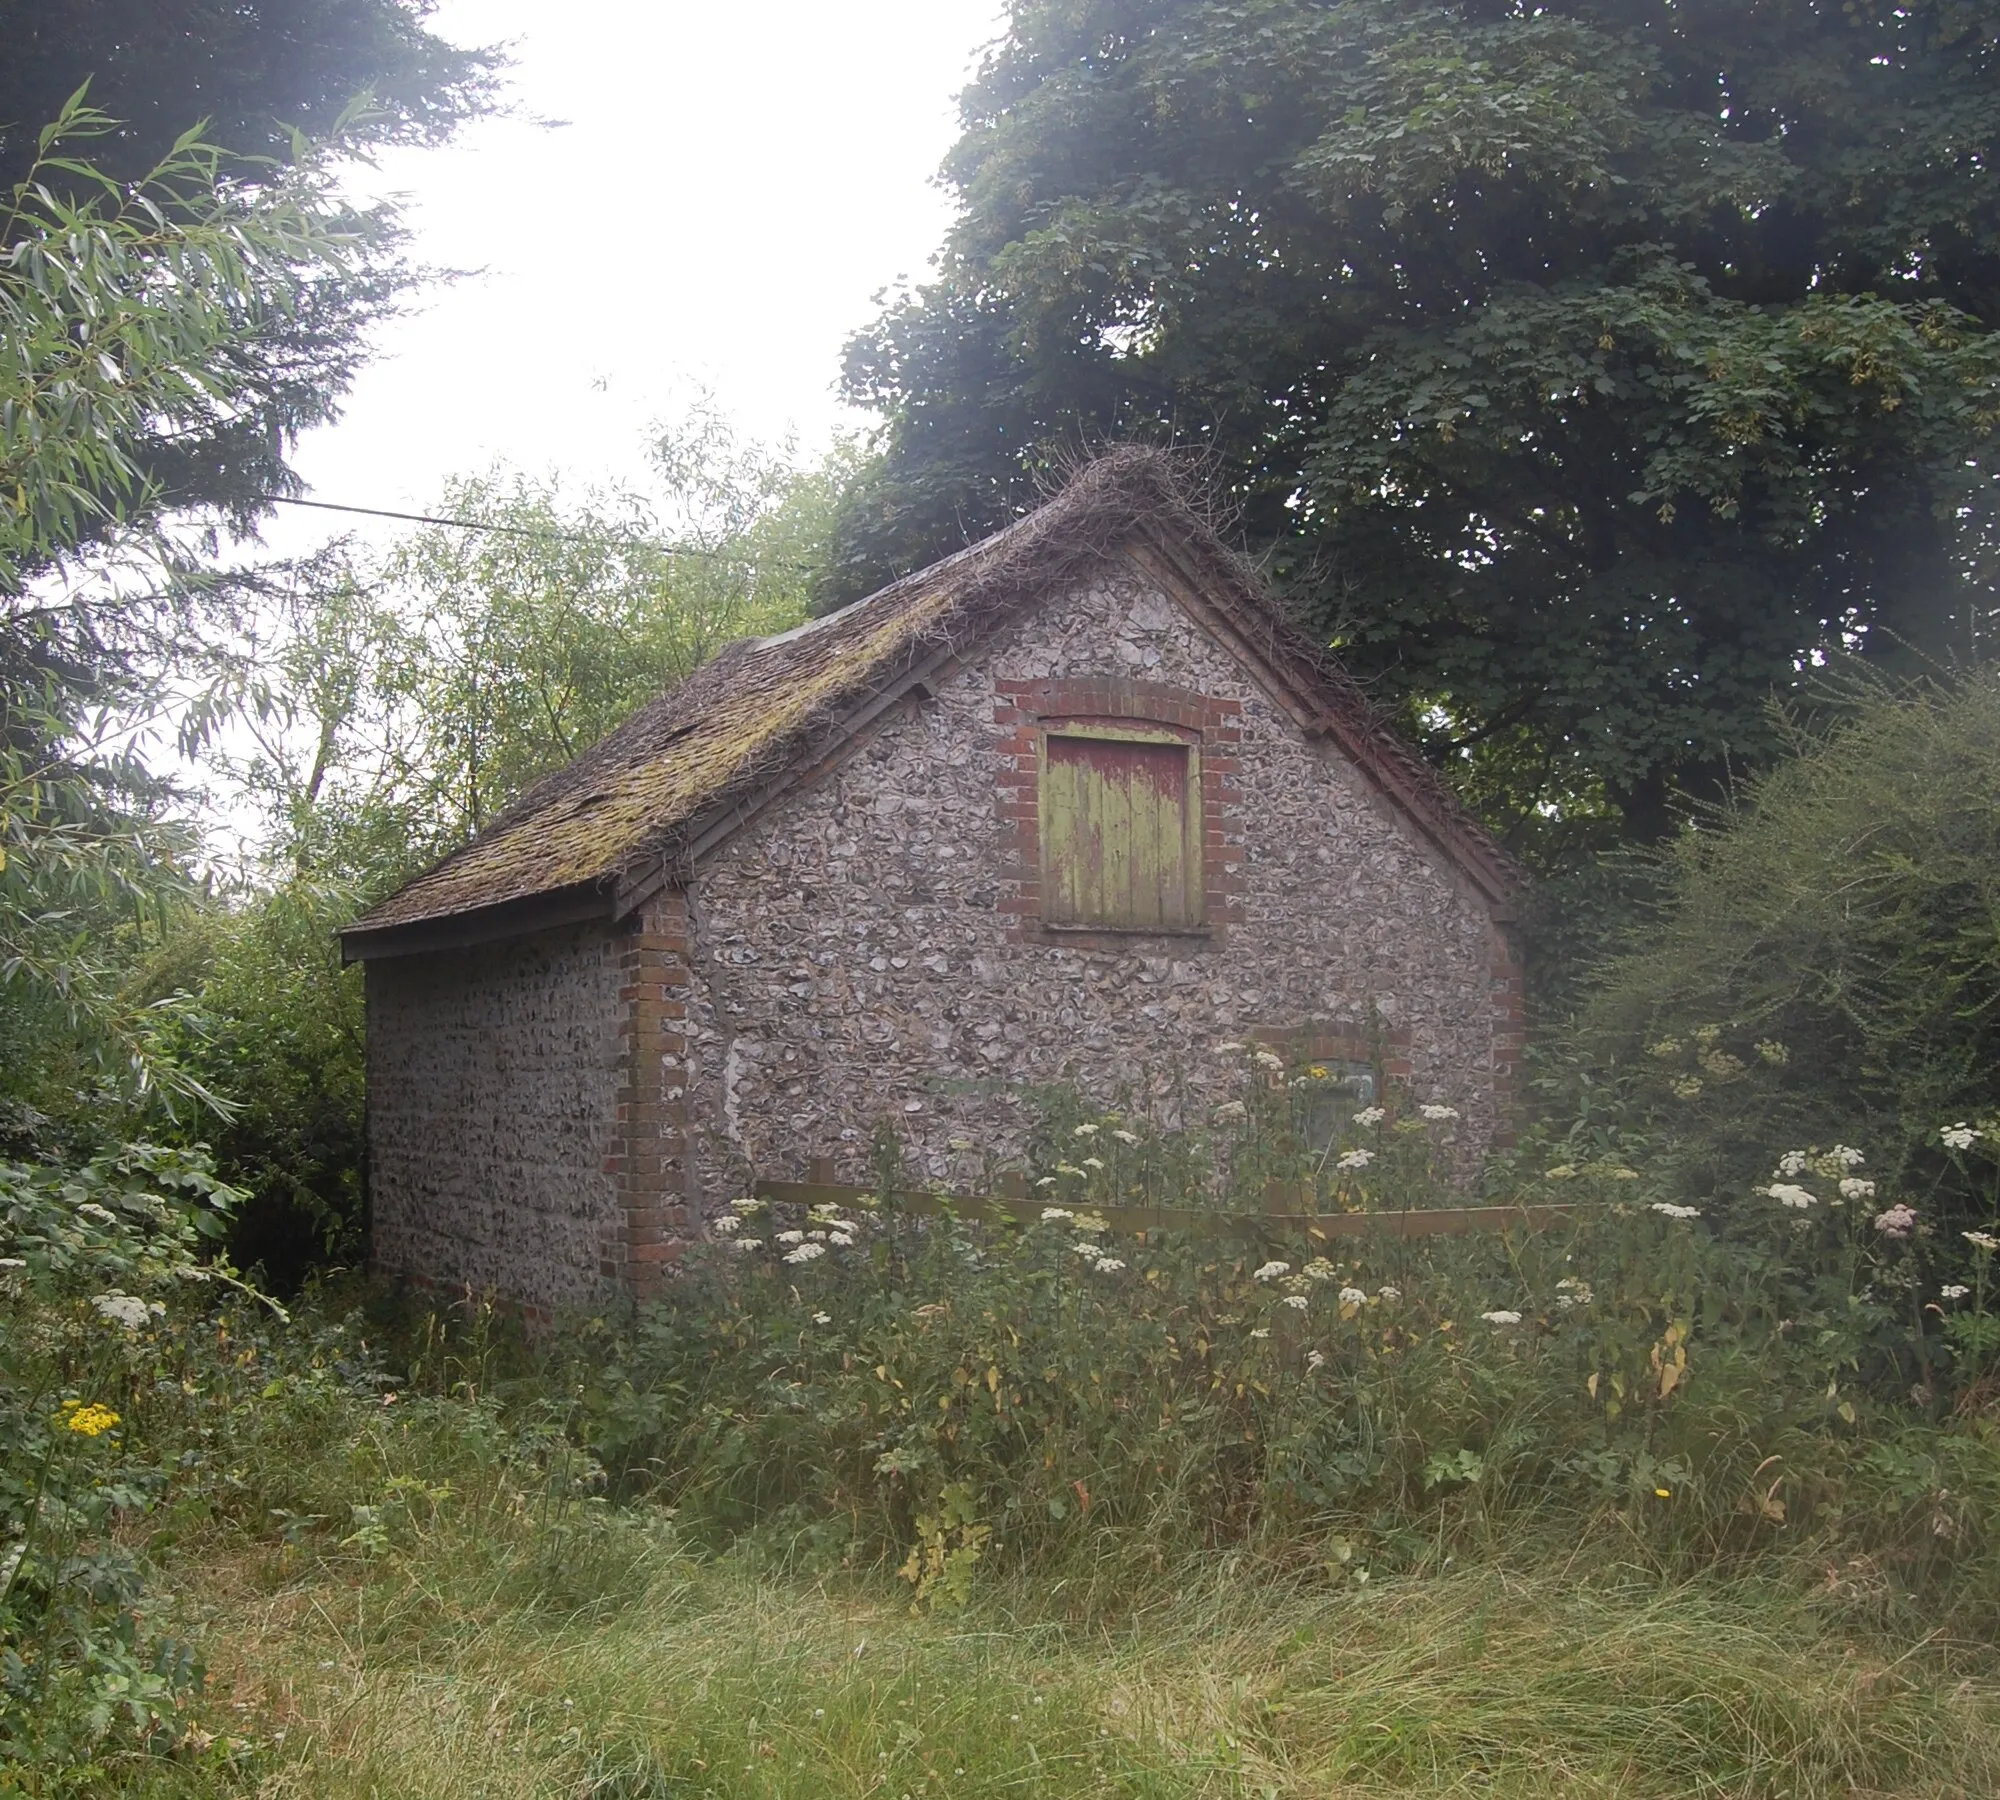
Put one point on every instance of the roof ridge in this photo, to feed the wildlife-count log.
(704, 751)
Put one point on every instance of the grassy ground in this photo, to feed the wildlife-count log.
(605, 1662)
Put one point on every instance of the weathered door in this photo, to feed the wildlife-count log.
(1115, 834)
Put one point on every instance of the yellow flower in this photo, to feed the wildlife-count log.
(1317, 1071)
(1664, 1493)
(88, 1421)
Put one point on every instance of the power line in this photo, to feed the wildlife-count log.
(524, 531)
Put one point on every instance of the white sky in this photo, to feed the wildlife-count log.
(733, 186)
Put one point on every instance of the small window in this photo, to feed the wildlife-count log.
(1121, 831)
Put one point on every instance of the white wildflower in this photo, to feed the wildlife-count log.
(1108, 1265)
(1084, 1131)
(1353, 1296)
(102, 1214)
(1501, 1317)
(840, 1240)
(1852, 1187)
(1792, 1163)
(1262, 1331)
(1084, 1247)
(1789, 1193)
(1051, 1213)
(1438, 1113)
(1315, 1359)
(1898, 1222)
(1355, 1159)
(1046, 1181)
(1370, 1115)
(822, 1318)
(122, 1309)
(1954, 1290)
(818, 1237)
(727, 1223)
(746, 1206)
(1092, 1162)
(1846, 1156)
(1319, 1269)
(1266, 1061)
(1572, 1292)
(1960, 1136)
(1271, 1271)
(1296, 1301)
(791, 1237)
(1981, 1240)
(1232, 1112)
(805, 1253)
(1562, 1172)
(743, 1243)
(1126, 1137)
(1389, 1293)
(1667, 1209)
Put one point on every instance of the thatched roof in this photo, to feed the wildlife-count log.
(634, 811)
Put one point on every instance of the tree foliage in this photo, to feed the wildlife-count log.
(1825, 960)
(139, 325)
(175, 308)
(1585, 368)
(411, 697)
(416, 695)
(251, 71)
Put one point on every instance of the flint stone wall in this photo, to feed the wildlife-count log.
(492, 1108)
(853, 957)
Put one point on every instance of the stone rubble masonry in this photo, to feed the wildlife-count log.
(552, 1116)
(496, 1146)
(869, 948)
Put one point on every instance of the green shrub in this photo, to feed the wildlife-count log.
(93, 1262)
(1825, 962)
(940, 1394)
(264, 1015)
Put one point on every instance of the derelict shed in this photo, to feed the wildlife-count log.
(1070, 806)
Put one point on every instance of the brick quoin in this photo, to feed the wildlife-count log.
(1510, 1032)
(648, 1159)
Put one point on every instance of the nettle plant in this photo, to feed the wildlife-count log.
(97, 1266)
(942, 1392)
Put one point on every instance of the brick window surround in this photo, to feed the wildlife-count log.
(1026, 712)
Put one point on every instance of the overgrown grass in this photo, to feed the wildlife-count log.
(1642, 1502)
(477, 1660)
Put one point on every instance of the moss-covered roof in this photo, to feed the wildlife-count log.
(637, 802)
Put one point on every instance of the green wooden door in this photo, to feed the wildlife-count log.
(1115, 834)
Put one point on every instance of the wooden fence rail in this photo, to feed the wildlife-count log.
(1020, 1209)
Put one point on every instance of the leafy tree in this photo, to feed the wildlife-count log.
(130, 316)
(410, 699)
(1587, 369)
(415, 698)
(198, 112)
(251, 71)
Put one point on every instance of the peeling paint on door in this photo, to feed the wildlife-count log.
(1115, 824)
